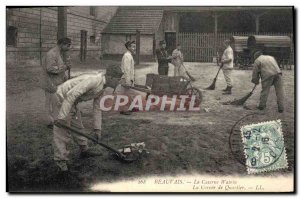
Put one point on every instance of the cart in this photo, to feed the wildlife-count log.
(169, 85)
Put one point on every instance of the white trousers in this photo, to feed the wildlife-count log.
(179, 71)
(227, 75)
(62, 137)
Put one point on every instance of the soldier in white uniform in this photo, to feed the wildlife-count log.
(128, 79)
(227, 61)
(81, 88)
(127, 64)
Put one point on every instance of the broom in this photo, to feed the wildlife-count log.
(243, 99)
(188, 74)
(213, 84)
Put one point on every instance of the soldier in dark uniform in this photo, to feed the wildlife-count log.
(163, 59)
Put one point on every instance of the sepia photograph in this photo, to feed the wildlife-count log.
(150, 99)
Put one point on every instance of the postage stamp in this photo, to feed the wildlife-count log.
(264, 147)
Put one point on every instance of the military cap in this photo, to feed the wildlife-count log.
(64, 41)
(129, 43)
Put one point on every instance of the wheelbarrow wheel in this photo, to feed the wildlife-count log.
(197, 93)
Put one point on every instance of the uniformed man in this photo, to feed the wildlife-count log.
(127, 64)
(163, 59)
(128, 78)
(266, 68)
(227, 62)
(81, 88)
(54, 73)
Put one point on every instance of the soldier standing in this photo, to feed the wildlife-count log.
(54, 73)
(227, 62)
(163, 59)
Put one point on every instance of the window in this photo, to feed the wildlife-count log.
(11, 36)
(92, 39)
(92, 11)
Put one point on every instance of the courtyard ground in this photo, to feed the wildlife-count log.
(179, 143)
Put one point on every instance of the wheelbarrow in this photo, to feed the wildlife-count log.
(168, 85)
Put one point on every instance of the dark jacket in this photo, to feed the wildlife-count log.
(162, 57)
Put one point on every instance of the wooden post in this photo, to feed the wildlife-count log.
(257, 23)
(62, 22)
(215, 34)
(138, 44)
(83, 45)
(177, 18)
(62, 25)
(41, 44)
(154, 46)
(257, 16)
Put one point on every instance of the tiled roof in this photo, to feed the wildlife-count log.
(128, 19)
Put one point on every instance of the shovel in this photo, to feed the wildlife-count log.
(213, 85)
(118, 155)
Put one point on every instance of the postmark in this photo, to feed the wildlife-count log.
(264, 147)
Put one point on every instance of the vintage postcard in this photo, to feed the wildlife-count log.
(191, 99)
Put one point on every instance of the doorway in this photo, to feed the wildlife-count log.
(170, 38)
(83, 45)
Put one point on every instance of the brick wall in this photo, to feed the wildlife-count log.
(79, 18)
(38, 26)
(30, 22)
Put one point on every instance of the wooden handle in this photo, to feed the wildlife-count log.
(78, 132)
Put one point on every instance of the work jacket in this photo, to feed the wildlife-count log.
(82, 88)
(54, 70)
(264, 67)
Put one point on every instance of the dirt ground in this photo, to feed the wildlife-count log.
(179, 143)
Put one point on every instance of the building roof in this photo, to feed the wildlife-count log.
(129, 19)
(224, 8)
